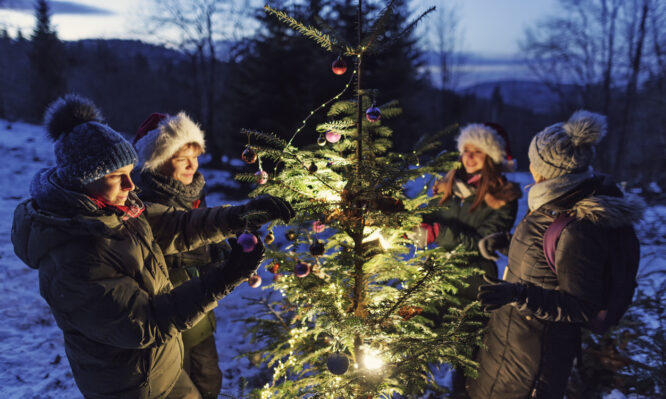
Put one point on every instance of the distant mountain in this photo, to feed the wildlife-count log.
(532, 95)
(131, 48)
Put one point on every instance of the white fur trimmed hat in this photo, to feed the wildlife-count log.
(162, 135)
(491, 139)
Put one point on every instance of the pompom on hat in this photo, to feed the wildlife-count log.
(160, 136)
(567, 147)
(492, 139)
(85, 149)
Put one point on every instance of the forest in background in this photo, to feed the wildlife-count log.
(603, 55)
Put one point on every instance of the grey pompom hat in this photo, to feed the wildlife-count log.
(85, 149)
(567, 147)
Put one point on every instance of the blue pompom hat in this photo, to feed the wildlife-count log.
(85, 148)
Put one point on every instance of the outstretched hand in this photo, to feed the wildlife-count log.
(265, 208)
(241, 263)
(498, 293)
(491, 243)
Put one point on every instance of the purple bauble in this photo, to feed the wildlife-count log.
(261, 177)
(337, 363)
(247, 241)
(301, 269)
(332, 137)
(318, 226)
(254, 281)
(373, 114)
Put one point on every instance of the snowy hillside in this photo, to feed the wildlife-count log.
(32, 358)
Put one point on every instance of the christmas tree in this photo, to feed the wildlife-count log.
(349, 317)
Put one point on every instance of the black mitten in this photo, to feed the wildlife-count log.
(258, 211)
(498, 293)
(491, 243)
(238, 267)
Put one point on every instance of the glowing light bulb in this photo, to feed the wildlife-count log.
(371, 360)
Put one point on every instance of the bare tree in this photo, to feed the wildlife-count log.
(198, 28)
(604, 49)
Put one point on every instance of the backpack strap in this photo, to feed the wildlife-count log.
(552, 236)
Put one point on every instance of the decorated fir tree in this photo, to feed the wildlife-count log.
(348, 316)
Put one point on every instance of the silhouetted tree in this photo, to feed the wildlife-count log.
(46, 60)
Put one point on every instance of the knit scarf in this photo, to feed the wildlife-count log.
(464, 185)
(132, 209)
(548, 190)
(157, 187)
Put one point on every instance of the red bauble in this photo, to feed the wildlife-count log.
(249, 155)
(274, 268)
(261, 177)
(301, 269)
(339, 66)
(254, 281)
(373, 114)
(332, 137)
(247, 241)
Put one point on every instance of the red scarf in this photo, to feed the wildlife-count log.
(132, 211)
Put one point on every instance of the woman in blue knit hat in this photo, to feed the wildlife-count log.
(100, 255)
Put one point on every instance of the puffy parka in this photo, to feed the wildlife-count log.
(155, 187)
(105, 280)
(529, 347)
(460, 226)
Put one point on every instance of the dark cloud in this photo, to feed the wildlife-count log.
(57, 7)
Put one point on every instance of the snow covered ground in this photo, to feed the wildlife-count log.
(32, 357)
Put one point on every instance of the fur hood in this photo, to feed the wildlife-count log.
(609, 210)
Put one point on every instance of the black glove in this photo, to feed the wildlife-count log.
(238, 267)
(498, 293)
(494, 242)
(258, 211)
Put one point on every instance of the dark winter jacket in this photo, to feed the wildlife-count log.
(105, 280)
(157, 188)
(460, 226)
(530, 346)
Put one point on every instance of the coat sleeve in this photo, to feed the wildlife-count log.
(178, 231)
(455, 231)
(109, 307)
(580, 258)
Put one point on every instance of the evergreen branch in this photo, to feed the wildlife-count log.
(270, 138)
(313, 33)
(407, 293)
(340, 41)
(410, 27)
(378, 27)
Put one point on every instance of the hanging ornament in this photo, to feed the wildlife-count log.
(333, 137)
(373, 114)
(317, 248)
(339, 66)
(407, 312)
(301, 269)
(254, 281)
(277, 276)
(318, 226)
(268, 240)
(290, 235)
(247, 241)
(312, 168)
(274, 268)
(321, 140)
(337, 363)
(261, 177)
(249, 155)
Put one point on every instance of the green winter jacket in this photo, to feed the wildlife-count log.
(459, 226)
(157, 188)
(105, 280)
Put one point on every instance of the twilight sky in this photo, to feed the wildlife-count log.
(486, 26)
